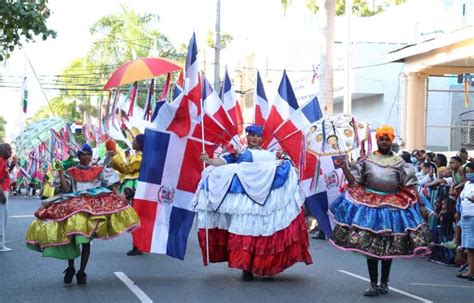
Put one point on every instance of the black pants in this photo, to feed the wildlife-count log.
(372, 264)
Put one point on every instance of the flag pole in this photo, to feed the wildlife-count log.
(206, 189)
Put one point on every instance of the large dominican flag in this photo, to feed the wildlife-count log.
(169, 175)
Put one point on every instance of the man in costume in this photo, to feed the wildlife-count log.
(379, 214)
(5, 154)
(129, 175)
(87, 209)
(251, 204)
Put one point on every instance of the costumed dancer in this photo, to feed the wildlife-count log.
(129, 175)
(87, 209)
(251, 205)
(379, 214)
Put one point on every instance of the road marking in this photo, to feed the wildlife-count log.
(22, 216)
(133, 287)
(442, 285)
(390, 287)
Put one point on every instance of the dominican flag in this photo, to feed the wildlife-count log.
(262, 107)
(169, 175)
(24, 94)
(218, 125)
(173, 117)
(192, 84)
(231, 105)
(330, 184)
(283, 106)
(290, 135)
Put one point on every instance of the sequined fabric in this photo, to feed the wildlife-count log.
(406, 245)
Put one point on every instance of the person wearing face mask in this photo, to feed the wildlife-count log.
(379, 214)
(467, 220)
(89, 207)
(251, 204)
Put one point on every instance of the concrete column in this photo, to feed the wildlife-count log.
(415, 111)
(403, 110)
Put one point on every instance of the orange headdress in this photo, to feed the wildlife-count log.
(385, 130)
(110, 145)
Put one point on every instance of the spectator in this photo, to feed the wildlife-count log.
(5, 154)
(467, 221)
(463, 155)
(441, 161)
(425, 175)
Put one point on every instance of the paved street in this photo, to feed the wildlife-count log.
(335, 276)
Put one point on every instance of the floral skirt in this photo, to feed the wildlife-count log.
(62, 226)
(384, 226)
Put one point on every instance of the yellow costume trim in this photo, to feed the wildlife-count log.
(58, 233)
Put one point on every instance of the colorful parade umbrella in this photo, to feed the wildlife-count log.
(141, 69)
(336, 135)
(37, 132)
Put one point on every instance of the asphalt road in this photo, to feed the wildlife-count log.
(335, 276)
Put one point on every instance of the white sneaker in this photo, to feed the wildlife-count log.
(4, 249)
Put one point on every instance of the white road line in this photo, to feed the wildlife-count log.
(133, 287)
(391, 288)
(22, 216)
(442, 285)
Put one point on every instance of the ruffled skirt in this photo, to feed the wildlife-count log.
(384, 229)
(60, 227)
(263, 238)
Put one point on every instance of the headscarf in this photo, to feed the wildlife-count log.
(385, 130)
(110, 145)
(140, 140)
(254, 129)
(85, 148)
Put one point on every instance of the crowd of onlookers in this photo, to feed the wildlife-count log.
(446, 188)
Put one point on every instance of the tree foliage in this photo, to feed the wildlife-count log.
(22, 19)
(226, 39)
(3, 123)
(361, 8)
(116, 39)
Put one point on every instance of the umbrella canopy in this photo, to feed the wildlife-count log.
(141, 69)
(336, 135)
(37, 132)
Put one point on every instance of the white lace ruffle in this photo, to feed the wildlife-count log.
(240, 215)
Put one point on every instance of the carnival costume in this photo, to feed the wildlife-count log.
(252, 208)
(88, 211)
(380, 217)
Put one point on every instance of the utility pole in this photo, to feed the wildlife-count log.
(217, 47)
(347, 105)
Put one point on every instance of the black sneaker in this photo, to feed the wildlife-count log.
(81, 278)
(372, 291)
(383, 288)
(134, 252)
(68, 275)
(247, 275)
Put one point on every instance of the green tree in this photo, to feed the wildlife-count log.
(3, 122)
(226, 39)
(117, 39)
(22, 19)
(61, 108)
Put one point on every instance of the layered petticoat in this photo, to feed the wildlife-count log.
(379, 225)
(254, 227)
(68, 220)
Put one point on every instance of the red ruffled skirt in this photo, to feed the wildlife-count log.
(262, 255)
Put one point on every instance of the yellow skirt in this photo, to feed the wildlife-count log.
(61, 239)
